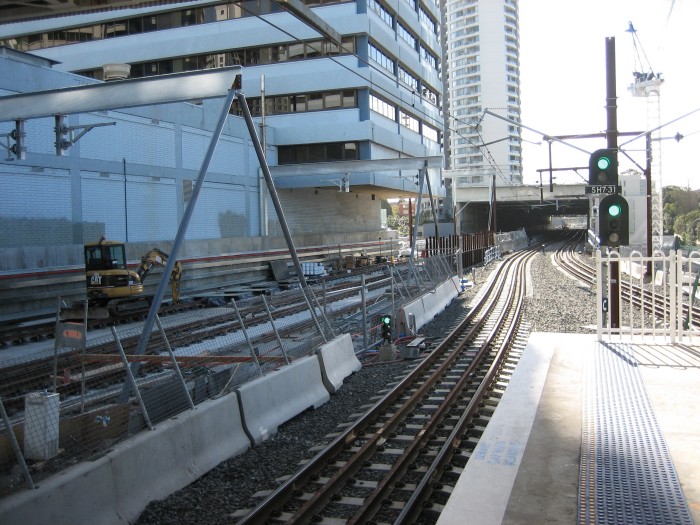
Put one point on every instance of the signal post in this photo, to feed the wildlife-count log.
(613, 209)
(387, 351)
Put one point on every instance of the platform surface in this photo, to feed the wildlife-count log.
(532, 450)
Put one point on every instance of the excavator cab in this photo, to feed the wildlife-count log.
(106, 274)
(105, 257)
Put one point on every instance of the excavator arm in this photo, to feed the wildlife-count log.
(160, 258)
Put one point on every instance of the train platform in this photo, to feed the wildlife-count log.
(589, 432)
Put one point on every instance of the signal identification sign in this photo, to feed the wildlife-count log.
(603, 189)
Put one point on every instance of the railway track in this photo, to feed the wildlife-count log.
(396, 462)
(645, 298)
(22, 376)
(37, 328)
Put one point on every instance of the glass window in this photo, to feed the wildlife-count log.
(350, 151)
(407, 78)
(168, 20)
(381, 58)
(279, 53)
(280, 104)
(349, 99)
(430, 133)
(296, 51)
(315, 101)
(300, 103)
(332, 100)
(407, 36)
(409, 122)
(314, 49)
(316, 153)
(382, 107)
(382, 11)
(189, 17)
(135, 25)
(334, 151)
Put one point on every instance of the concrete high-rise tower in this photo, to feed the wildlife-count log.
(482, 65)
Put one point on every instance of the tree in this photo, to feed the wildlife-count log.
(399, 223)
(681, 211)
(686, 226)
(684, 200)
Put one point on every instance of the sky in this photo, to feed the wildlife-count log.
(563, 82)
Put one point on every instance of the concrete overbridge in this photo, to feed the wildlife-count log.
(532, 207)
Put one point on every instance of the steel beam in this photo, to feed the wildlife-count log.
(178, 87)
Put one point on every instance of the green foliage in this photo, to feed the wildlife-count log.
(425, 216)
(687, 226)
(681, 211)
(398, 223)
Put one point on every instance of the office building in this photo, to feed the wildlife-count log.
(483, 73)
(340, 120)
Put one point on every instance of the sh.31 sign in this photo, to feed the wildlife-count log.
(602, 189)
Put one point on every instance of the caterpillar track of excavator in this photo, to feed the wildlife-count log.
(113, 290)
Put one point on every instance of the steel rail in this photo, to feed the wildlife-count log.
(640, 297)
(442, 359)
(504, 329)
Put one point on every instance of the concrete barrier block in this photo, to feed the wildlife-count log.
(338, 360)
(157, 463)
(269, 401)
(425, 308)
(116, 488)
(78, 495)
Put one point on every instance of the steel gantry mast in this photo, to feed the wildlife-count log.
(647, 83)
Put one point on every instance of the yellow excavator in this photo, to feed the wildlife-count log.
(114, 290)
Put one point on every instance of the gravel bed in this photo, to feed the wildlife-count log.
(557, 303)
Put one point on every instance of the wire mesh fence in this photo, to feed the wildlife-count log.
(72, 399)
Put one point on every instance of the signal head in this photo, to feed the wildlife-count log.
(613, 226)
(602, 167)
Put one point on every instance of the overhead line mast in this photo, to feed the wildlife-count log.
(647, 84)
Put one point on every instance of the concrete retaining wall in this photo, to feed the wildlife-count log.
(116, 488)
(512, 241)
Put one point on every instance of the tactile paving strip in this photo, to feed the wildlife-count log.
(627, 475)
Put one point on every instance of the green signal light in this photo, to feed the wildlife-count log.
(386, 319)
(603, 163)
(615, 210)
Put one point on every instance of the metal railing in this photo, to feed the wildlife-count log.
(664, 310)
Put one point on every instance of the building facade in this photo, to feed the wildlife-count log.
(483, 73)
(374, 95)
(327, 111)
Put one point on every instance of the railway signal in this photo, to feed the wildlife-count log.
(613, 219)
(386, 322)
(602, 167)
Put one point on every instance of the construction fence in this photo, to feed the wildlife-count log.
(71, 399)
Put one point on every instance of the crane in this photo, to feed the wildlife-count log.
(647, 83)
